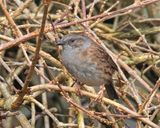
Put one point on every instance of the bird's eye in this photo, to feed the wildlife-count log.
(75, 43)
(71, 42)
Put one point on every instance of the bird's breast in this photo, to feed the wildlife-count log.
(84, 70)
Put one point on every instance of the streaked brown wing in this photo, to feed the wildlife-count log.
(104, 58)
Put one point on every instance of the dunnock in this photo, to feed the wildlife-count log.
(88, 62)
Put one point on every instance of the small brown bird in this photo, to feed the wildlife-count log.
(88, 62)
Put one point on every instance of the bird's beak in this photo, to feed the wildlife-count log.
(60, 45)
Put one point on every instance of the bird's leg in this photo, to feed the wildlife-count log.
(100, 96)
(100, 93)
(78, 86)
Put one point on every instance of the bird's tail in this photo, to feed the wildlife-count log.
(111, 92)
